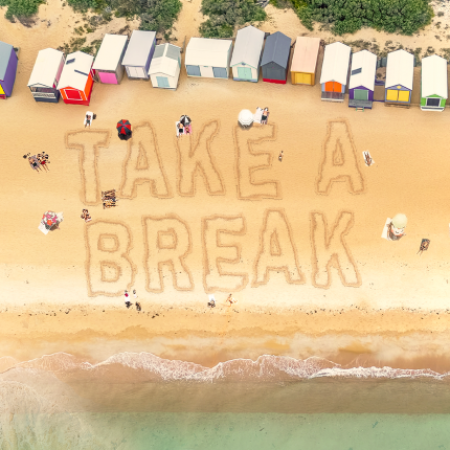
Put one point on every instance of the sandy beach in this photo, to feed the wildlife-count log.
(217, 213)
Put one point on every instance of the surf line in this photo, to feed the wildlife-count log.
(168, 242)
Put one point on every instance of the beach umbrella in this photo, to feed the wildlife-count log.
(245, 118)
(123, 127)
(185, 120)
(399, 221)
(49, 219)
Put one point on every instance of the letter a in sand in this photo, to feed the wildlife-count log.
(339, 162)
(143, 165)
(276, 250)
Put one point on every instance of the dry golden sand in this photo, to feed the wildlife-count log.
(388, 281)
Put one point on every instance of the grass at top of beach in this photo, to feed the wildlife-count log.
(393, 16)
(155, 15)
(21, 8)
(225, 15)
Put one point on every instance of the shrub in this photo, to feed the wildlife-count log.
(348, 16)
(21, 8)
(84, 5)
(156, 15)
(224, 15)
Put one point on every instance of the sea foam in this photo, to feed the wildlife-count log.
(143, 366)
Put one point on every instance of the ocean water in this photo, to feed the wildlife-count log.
(139, 401)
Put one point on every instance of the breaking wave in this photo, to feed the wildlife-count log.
(145, 367)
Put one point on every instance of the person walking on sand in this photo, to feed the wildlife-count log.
(265, 115)
(280, 156)
(180, 129)
(211, 301)
(127, 299)
(138, 305)
(231, 301)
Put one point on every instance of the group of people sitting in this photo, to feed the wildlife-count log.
(38, 162)
(109, 198)
(86, 216)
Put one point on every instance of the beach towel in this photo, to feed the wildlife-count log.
(385, 234)
(258, 115)
(43, 228)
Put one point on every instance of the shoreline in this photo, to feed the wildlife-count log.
(351, 338)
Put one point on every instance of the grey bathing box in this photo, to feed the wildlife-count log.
(275, 59)
(139, 54)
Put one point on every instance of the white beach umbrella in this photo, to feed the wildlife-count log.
(245, 118)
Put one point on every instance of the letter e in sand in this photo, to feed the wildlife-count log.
(217, 254)
(252, 164)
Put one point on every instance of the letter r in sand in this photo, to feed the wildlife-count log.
(167, 242)
(339, 162)
(109, 268)
(330, 249)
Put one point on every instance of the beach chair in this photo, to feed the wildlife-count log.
(107, 195)
(109, 203)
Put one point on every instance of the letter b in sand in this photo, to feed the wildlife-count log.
(339, 161)
(109, 269)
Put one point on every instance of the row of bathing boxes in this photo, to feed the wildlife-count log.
(254, 53)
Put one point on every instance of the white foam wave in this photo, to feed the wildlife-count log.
(139, 367)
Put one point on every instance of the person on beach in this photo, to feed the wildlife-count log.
(396, 229)
(280, 156)
(86, 216)
(43, 160)
(34, 163)
(180, 128)
(138, 305)
(231, 301)
(264, 116)
(212, 301)
(127, 299)
(88, 120)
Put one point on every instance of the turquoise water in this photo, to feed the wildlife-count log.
(218, 431)
(54, 403)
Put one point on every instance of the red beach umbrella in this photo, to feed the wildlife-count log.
(124, 127)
